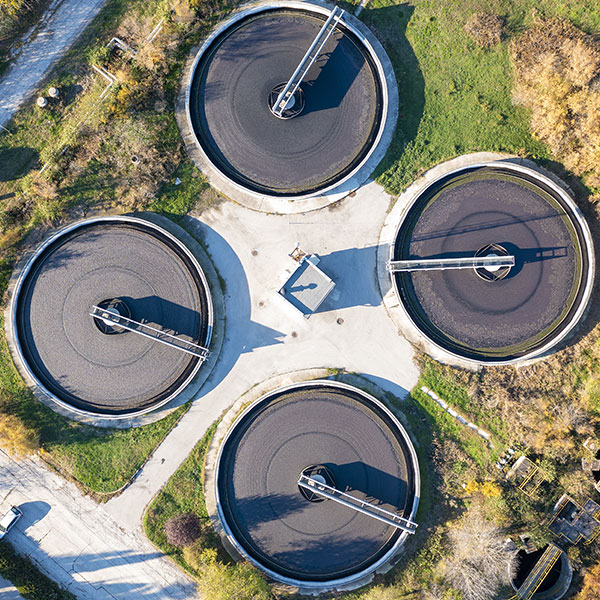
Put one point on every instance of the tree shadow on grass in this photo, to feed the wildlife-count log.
(16, 162)
(389, 25)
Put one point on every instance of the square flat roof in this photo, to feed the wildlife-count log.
(574, 522)
(307, 287)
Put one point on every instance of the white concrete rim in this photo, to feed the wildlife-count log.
(25, 271)
(576, 214)
(320, 586)
(352, 24)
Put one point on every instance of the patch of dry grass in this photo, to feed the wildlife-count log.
(557, 76)
(485, 29)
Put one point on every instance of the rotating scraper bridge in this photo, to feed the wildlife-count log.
(317, 483)
(112, 317)
(492, 263)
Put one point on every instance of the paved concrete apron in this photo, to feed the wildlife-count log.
(74, 541)
(53, 39)
(266, 337)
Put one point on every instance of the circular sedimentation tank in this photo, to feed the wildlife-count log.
(495, 315)
(128, 267)
(328, 130)
(340, 436)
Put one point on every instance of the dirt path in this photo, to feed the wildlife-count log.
(52, 40)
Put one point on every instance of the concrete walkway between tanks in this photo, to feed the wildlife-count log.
(76, 543)
(52, 40)
(265, 336)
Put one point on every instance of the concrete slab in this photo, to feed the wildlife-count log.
(76, 543)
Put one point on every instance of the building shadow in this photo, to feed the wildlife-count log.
(242, 334)
(354, 271)
(338, 70)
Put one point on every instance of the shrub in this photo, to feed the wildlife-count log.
(23, 574)
(557, 76)
(183, 530)
(16, 438)
(237, 582)
(485, 29)
(382, 592)
(12, 7)
(591, 584)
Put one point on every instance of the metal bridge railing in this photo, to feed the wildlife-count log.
(150, 332)
(366, 508)
(539, 572)
(307, 61)
(440, 264)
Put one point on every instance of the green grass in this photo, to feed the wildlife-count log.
(101, 460)
(446, 425)
(441, 381)
(177, 200)
(454, 96)
(436, 378)
(184, 493)
(26, 577)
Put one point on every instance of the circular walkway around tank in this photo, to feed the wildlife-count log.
(67, 353)
(536, 303)
(259, 501)
(345, 102)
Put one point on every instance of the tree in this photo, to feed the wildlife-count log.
(15, 437)
(237, 582)
(479, 563)
(12, 7)
(183, 529)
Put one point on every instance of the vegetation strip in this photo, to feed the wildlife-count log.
(26, 577)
